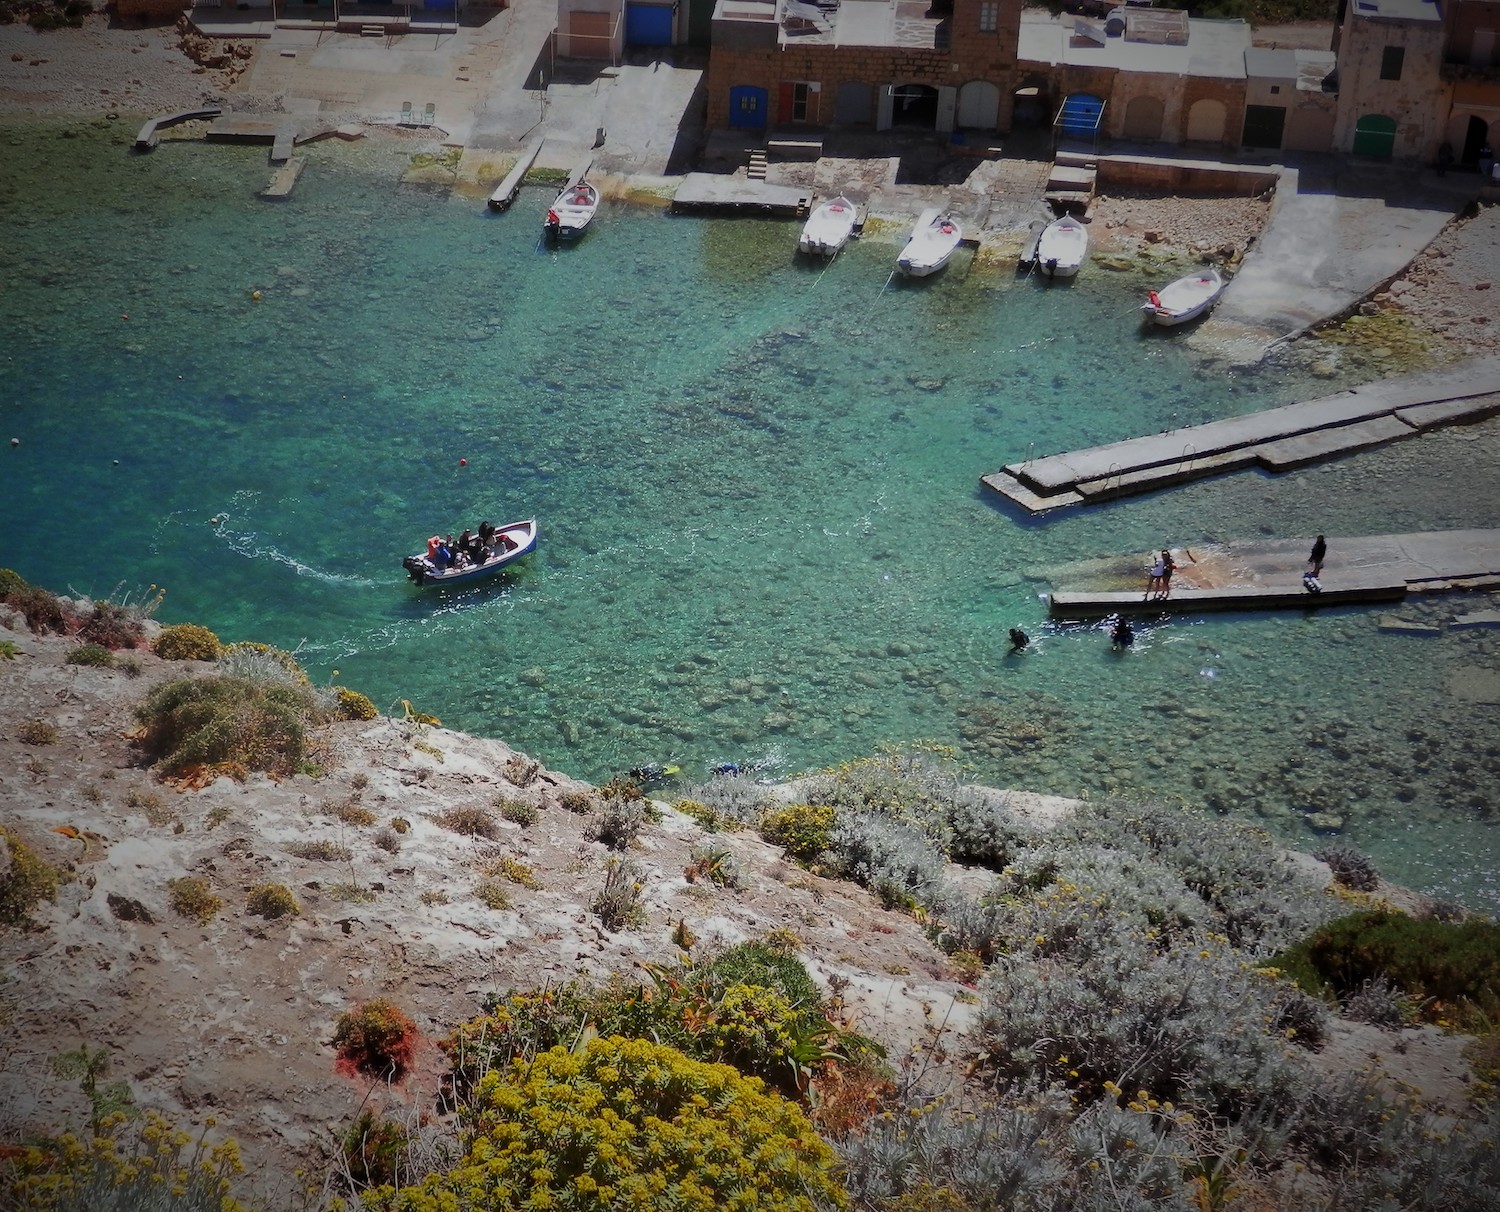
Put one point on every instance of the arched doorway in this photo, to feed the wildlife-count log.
(979, 105)
(1143, 118)
(856, 105)
(1206, 121)
(748, 107)
(1030, 105)
(1375, 136)
(914, 105)
(1475, 136)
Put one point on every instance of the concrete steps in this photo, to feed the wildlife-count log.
(758, 166)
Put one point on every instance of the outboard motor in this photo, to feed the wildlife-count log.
(416, 567)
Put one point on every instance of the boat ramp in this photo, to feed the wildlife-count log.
(150, 134)
(1268, 575)
(1277, 439)
(505, 193)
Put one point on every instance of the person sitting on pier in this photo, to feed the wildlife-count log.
(1018, 639)
(1121, 634)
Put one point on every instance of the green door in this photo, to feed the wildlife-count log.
(1375, 136)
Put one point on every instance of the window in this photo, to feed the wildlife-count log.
(799, 101)
(1390, 62)
(989, 17)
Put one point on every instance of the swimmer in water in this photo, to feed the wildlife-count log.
(1121, 634)
(1018, 639)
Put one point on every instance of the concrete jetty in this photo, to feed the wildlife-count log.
(150, 134)
(505, 193)
(716, 193)
(1276, 439)
(284, 179)
(1267, 574)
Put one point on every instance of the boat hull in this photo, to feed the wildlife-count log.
(1062, 248)
(829, 228)
(424, 573)
(933, 242)
(1185, 299)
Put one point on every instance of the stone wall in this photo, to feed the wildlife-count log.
(1419, 102)
(151, 10)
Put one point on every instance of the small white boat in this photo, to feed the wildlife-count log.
(1063, 247)
(490, 550)
(829, 227)
(932, 242)
(572, 211)
(1185, 299)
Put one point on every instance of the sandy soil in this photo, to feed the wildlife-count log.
(104, 69)
(233, 1018)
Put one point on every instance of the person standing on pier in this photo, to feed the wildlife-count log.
(1154, 581)
(1316, 555)
(1168, 567)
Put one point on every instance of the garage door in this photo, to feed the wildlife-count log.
(648, 25)
(588, 36)
(1375, 136)
(1263, 126)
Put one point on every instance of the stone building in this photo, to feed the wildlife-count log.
(879, 63)
(1393, 100)
(1471, 67)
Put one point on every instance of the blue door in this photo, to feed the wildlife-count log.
(747, 107)
(648, 25)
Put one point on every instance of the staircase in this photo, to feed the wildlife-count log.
(1070, 185)
(757, 170)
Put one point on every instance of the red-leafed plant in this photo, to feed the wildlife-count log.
(376, 1039)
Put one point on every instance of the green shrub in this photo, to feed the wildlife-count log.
(518, 812)
(271, 901)
(716, 865)
(321, 851)
(192, 897)
(373, 1150)
(8, 650)
(257, 662)
(619, 823)
(763, 964)
(1349, 866)
(11, 583)
(627, 1124)
(618, 903)
(355, 706)
(187, 642)
(25, 880)
(152, 1167)
(802, 830)
(96, 655)
(1453, 962)
(493, 895)
(377, 1039)
(352, 812)
(223, 720)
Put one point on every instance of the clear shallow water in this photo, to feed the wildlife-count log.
(763, 537)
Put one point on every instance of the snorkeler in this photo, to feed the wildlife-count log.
(1121, 635)
(1018, 639)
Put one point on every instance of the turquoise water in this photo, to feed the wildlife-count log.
(763, 538)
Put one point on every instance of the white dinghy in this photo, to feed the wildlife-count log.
(1062, 248)
(1185, 299)
(829, 227)
(932, 242)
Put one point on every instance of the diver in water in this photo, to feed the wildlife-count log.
(1018, 639)
(1121, 635)
(649, 773)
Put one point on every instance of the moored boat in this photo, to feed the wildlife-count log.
(572, 211)
(829, 227)
(1185, 299)
(932, 242)
(491, 551)
(1062, 248)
